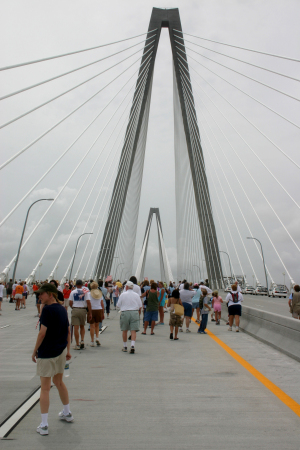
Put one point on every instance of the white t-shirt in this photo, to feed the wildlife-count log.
(186, 296)
(129, 301)
(96, 303)
(202, 286)
(137, 289)
(181, 286)
(229, 298)
(79, 297)
(14, 286)
(1, 290)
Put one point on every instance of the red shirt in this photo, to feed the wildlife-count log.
(34, 287)
(67, 293)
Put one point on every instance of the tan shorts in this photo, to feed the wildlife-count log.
(78, 316)
(48, 367)
(66, 302)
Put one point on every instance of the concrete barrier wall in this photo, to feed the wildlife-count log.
(282, 333)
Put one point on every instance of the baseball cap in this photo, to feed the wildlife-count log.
(130, 284)
(47, 287)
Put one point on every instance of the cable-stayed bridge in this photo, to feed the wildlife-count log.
(107, 176)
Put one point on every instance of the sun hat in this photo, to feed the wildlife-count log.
(130, 284)
(95, 292)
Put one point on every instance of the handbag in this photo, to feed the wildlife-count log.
(178, 309)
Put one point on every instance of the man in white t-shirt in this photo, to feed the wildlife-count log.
(79, 301)
(234, 300)
(130, 305)
(136, 287)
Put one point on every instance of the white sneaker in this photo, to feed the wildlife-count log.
(181, 330)
(92, 344)
(187, 330)
(98, 342)
(67, 418)
(237, 329)
(230, 329)
(42, 430)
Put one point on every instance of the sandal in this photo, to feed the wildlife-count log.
(143, 333)
(176, 339)
(152, 334)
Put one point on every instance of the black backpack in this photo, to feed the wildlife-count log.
(202, 297)
(235, 297)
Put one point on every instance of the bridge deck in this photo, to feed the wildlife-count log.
(185, 394)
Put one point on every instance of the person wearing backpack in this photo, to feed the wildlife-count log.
(204, 308)
(234, 300)
(176, 320)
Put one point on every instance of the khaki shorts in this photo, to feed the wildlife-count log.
(130, 320)
(78, 316)
(48, 367)
(66, 302)
(18, 296)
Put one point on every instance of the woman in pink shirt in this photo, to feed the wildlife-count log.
(217, 305)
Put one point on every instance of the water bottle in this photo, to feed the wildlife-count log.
(67, 369)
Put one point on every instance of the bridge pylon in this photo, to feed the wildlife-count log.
(124, 205)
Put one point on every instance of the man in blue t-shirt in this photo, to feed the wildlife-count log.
(51, 351)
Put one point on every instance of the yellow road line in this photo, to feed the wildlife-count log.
(287, 400)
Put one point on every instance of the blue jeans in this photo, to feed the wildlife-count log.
(203, 325)
(115, 301)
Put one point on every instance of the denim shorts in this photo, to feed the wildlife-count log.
(150, 316)
(187, 309)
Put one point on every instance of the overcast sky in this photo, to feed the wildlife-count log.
(36, 29)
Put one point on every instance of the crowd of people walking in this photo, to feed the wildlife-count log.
(91, 302)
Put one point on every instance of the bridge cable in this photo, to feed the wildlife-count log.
(127, 142)
(61, 156)
(250, 96)
(240, 73)
(249, 173)
(92, 189)
(215, 249)
(126, 145)
(67, 116)
(242, 48)
(76, 168)
(206, 187)
(249, 121)
(109, 155)
(237, 59)
(51, 100)
(273, 176)
(72, 53)
(79, 68)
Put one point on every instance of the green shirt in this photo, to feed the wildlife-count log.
(152, 304)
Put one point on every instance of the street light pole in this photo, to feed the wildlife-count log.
(231, 275)
(121, 273)
(75, 254)
(195, 265)
(117, 268)
(105, 248)
(263, 258)
(21, 240)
